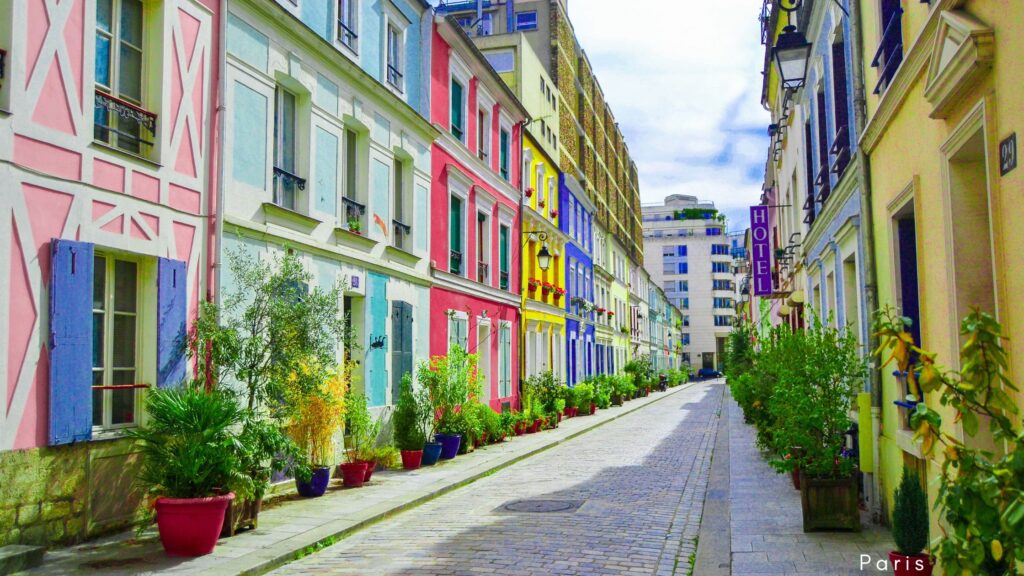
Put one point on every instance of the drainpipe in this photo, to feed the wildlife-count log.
(216, 215)
(867, 238)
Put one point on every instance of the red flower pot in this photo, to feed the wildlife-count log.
(795, 473)
(916, 565)
(353, 474)
(370, 467)
(191, 526)
(593, 408)
(535, 426)
(411, 459)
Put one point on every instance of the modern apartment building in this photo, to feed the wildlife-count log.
(690, 258)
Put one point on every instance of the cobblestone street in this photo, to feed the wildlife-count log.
(640, 481)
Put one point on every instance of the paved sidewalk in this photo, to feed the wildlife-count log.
(626, 499)
(294, 527)
(766, 524)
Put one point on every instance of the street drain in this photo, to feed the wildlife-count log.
(542, 506)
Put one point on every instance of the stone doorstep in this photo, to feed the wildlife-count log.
(263, 558)
(17, 557)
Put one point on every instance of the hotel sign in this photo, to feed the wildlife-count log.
(761, 253)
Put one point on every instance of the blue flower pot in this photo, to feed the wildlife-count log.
(449, 445)
(317, 484)
(431, 453)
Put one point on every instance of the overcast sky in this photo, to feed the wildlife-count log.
(683, 80)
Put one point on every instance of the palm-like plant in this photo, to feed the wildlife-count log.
(188, 446)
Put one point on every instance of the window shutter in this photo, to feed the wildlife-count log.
(71, 278)
(171, 335)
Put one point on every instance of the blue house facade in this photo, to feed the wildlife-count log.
(577, 222)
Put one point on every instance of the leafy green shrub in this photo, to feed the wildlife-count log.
(361, 428)
(188, 446)
(623, 386)
(603, 389)
(411, 418)
(584, 392)
(451, 381)
(910, 515)
(569, 397)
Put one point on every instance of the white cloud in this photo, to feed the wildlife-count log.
(683, 80)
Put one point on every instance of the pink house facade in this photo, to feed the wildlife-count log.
(475, 238)
(107, 163)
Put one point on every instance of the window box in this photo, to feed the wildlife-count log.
(274, 213)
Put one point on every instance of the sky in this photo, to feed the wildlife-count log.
(683, 78)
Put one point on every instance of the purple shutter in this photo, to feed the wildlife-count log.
(71, 277)
(171, 335)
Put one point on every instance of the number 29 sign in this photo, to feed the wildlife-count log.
(1008, 155)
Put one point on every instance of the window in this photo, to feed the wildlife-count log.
(723, 320)
(394, 53)
(683, 268)
(890, 48)
(119, 119)
(685, 303)
(668, 251)
(503, 61)
(505, 360)
(503, 153)
(723, 303)
(719, 267)
(354, 210)
(503, 257)
(483, 274)
(483, 135)
(455, 223)
(810, 212)
(458, 106)
(686, 339)
(722, 285)
(572, 221)
(114, 341)
(526, 20)
(403, 230)
(719, 249)
(458, 331)
(841, 142)
(822, 178)
(713, 232)
(285, 180)
(347, 23)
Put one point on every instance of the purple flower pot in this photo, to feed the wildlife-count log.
(431, 452)
(317, 484)
(449, 444)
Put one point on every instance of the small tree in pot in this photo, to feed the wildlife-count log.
(190, 461)
(910, 528)
(316, 399)
(412, 423)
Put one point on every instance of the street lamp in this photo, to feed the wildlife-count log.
(544, 257)
(792, 51)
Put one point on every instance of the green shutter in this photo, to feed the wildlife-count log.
(457, 120)
(503, 247)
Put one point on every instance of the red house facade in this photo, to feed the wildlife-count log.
(475, 203)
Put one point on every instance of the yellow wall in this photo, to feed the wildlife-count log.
(907, 162)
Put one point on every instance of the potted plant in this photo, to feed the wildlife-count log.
(451, 381)
(190, 461)
(559, 292)
(910, 528)
(316, 397)
(546, 288)
(554, 213)
(532, 284)
(363, 430)
(529, 191)
(354, 225)
(409, 421)
(584, 392)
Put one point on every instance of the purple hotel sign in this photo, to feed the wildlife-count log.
(761, 252)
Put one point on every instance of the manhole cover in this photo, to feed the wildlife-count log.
(542, 506)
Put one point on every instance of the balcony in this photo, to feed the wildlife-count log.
(403, 234)
(394, 77)
(455, 262)
(503, 280)
(482, 272)
(347, 35)
(890, 51)
(354, 212)
(123, 124)
(285, 185)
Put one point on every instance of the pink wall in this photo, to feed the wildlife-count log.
(155, 209)
(442, 300)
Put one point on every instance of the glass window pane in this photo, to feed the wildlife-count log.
(125, 286)
(124, 341)
(97, 399)
(131, 22)
(350, 164)
(129, 78)
(104, 14)
(97, 340)
(99, 281)
(123, 401)
(103, 60)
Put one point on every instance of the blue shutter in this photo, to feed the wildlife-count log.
(171, 335)
(71, 277)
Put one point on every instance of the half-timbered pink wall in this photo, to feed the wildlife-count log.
(62, 184)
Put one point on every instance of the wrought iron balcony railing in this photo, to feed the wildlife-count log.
(394, 77)
(346, 35)
(503, 280)
(455, 262)
(285, 185)
(482, 272)
(354, 212)
(123, 124)
(402, 234)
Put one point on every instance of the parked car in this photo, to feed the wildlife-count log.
(705, 373)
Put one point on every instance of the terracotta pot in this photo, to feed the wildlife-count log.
(535, 426)
(370, 467)
(411, 459)
(916, 565)
(191, 526)
(593, 408)
(353, 474)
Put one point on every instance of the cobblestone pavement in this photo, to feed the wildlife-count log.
(767, 525)
(641, 481)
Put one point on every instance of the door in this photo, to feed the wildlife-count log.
(708, 360)
(401, 345)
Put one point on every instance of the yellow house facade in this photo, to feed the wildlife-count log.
(944, 106)
(543, 290)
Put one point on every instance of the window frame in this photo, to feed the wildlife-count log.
(350, 28)
(394, 68)
(536, 21)
(458, 188)
(279, 148)
(113, 94)
(459, 73)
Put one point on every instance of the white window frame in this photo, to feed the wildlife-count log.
(486, 104)
(504, 359)
(459, 72)
(459, 186)
(458, 317)
(485, 205)
(394, 20)
(114, 69)
(505, 125)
